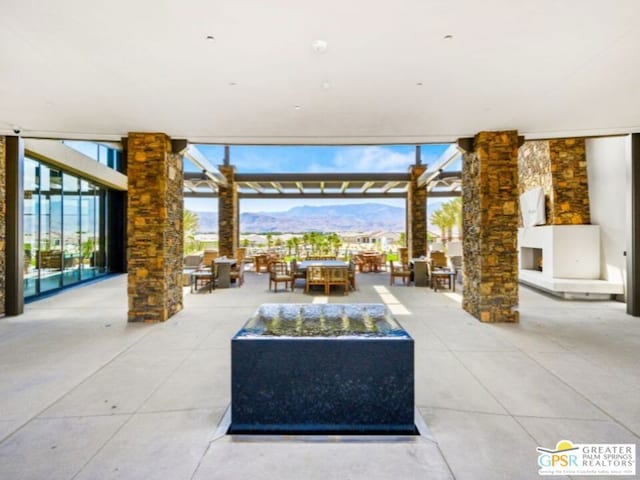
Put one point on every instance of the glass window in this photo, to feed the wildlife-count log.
(31, 231)
(100, 153)
(71, 229)
(64, 225)
(88, 234)
(49, 255)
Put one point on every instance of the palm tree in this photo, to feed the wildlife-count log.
(190, 224)
(296, 245)
(402, 240)
(306, 240)
(457, 209)
(269, 240)
(335, 242)
(452, 212)
(439, 219)
(290, 244)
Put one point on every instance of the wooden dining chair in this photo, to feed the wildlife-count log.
(338, 276)
(316, 275)
(237, 273)
(402, 270)
(279, 273)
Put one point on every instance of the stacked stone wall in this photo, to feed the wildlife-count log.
(417, 214)
(154, 228)
(534, 170)
(490, 223)
(560, 168)
(570, 181)
(3, 223)
(228, 218)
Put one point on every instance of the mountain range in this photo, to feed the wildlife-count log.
(364, 217)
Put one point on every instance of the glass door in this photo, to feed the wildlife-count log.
(71, 229)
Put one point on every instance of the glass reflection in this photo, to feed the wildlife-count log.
(63, 222)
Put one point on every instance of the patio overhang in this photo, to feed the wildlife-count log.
(322, 185)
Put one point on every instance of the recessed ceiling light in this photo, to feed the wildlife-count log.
(211, 38)
(297, 107)
(448, 37)
(232, 84)
(419, 84)
(326, 85)
(319, 46)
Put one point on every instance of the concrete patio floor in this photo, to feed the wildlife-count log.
(84, 395)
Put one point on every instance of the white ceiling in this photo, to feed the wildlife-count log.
(97, 70)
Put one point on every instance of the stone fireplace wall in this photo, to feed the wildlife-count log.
(560, 168)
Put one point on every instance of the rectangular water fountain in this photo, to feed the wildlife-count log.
(322, 369)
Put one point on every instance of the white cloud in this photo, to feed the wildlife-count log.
(366, 159)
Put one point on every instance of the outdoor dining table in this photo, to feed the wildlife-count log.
(302, 266)
(370, 261)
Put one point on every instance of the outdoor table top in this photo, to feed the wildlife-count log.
(322, 263)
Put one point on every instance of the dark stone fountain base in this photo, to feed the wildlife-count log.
(357, 383)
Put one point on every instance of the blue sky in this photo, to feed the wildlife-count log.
(306, 159)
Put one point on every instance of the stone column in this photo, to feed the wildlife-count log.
(416, 214)
(560, 168)
(228, 217)
(154, 228)
(3, 223)
(490, 226)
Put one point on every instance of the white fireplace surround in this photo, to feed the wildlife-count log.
(568, 251)
(570, 261)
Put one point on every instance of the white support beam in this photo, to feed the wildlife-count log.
(300, 188)
(60, 155)
(367, 186)
(321, 187)
(449, 155)
(255, 186)
(389, 186)
(200, 161)
(345, 185)
(277, 186)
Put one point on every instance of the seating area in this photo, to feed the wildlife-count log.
(439, 274)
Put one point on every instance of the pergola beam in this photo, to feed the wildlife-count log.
(449, 155)
(200, 161)
(321, 177)
(367, 186)
(266, 196)
(389, 186)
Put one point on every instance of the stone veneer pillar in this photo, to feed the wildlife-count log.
(154, 228)
(228, 217)
(3, 222)
(416, 214)
(560, 168)
(490, 227)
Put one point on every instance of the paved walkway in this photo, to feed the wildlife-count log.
(84, 395)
